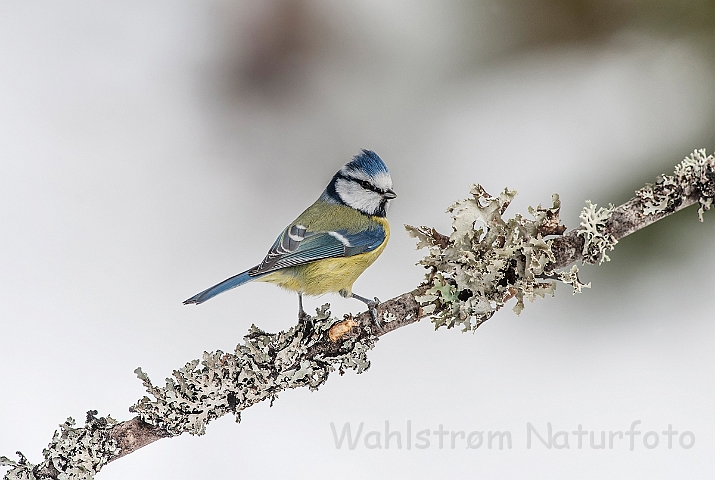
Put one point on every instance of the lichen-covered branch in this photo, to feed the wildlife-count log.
(693, 182)
(488, 260)
(259, 369)
(472, 273)
(264, 365)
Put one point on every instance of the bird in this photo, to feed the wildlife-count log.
(332, 242)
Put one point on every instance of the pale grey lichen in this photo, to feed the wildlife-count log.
(75, 453)
(694, 176)
(19, 470)
(693, 180)
(594, 229)
(388, 317)
(264, 365)
(696, 173)
(570, 277)
(261, 367)
(487, 260)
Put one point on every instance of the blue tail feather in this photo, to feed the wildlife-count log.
(227, 284)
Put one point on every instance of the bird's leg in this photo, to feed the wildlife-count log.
(372, 305)
(302, 316)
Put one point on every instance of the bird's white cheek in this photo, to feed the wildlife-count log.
(358, 198)
(365, 201)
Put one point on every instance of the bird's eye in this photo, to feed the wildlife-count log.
(365, 184)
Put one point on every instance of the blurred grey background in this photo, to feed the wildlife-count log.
(151, 149)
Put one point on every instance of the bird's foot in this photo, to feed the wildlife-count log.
(372, 305)
(304, 317)
(306, 321)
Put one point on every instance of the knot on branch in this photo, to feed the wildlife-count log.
(487, 260)
(259, 368)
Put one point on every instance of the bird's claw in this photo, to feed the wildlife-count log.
(305, 318)
(373, 312)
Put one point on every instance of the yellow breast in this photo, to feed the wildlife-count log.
(329, 274)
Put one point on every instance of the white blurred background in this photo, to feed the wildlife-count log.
(151, 149)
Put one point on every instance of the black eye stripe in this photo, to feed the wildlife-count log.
(366, 185)
(363, 183)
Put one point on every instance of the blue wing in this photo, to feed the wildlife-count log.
(298, 246)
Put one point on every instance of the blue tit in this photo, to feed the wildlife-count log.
(331, 243)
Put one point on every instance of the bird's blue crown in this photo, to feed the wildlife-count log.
(368, 162)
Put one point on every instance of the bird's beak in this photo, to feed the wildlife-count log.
(389, 195)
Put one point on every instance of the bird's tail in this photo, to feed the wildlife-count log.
(227, 284)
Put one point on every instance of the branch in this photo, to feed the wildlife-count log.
(484, 263)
